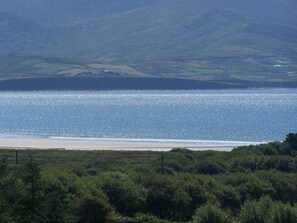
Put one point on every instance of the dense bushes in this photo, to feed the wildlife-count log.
(209, 167)
(211, 214)
(167, 198)
(124, 194)
(267, 211)
(250, 184)
(93, 210)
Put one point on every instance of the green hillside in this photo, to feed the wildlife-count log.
(214, 40)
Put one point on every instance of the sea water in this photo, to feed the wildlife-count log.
(225, 115)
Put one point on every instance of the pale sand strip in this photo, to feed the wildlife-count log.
(110, 144)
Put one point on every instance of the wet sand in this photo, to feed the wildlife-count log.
(117, 144)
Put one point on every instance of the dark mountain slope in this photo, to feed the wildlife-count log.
(57, 11)
(18, 34)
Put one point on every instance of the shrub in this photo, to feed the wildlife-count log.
(257, 211)
(285, 185)
(93, 210)
(176, 166)
(209, 167)
(167, 198)
(249, 186)
(267, 211)
(126, 196)
(291, 139)
(181, 150)
(211, 214)
(144, 219)
(284, 213)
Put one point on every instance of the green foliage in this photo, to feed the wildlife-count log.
(249, 186)
(167, 198)
(80, 172)
(32, 184)
(257, 212)
(175, 166)
(281, 163)
(258, 184)
(284, 213)
(93, 210)
(285, 185)
(3, 167)
(202, 189)
(209, 167)
(11, 198)
(211, 214)
(55, 204)
(5, 211)
(181, 150)
(125, 195)
(267, 211)
(228, 197)
(291, 140)
(245, 164)
(144, 219)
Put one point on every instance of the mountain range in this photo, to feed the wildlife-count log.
(214, 40)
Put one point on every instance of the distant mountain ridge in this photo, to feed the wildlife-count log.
(211, 40)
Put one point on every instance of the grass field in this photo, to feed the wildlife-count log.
(68, 160)
(232, 68)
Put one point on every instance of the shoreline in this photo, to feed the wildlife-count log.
(64, 143)
(132, 83)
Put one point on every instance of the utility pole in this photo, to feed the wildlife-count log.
(162, 163)
(16, 158)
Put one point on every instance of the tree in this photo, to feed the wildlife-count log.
(94, 210)
(267, 211)
(55, 199)
(209, 167)
(144, 219)
(211, 214)
(167, 198)
(291, 139)
(126, 196)
(285, 185)
(11, 194)
(284, 213)
(32, 182)
(249, 186)
(3, 167)
(257, 211)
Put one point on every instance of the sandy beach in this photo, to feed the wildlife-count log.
(116, 144)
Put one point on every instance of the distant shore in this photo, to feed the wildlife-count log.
(117, 144)
(130, 83)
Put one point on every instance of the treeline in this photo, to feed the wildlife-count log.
(254, 184)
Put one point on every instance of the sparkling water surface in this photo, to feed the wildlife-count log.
(227, 115)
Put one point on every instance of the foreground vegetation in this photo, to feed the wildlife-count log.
(249, 185)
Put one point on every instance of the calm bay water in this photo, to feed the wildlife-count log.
(237, 115)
